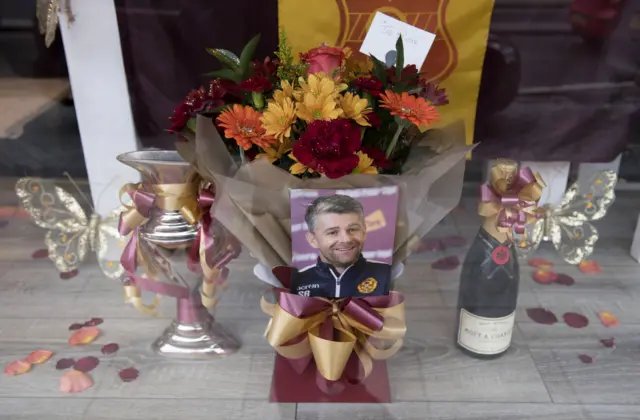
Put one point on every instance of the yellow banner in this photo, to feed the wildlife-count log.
(461, 28)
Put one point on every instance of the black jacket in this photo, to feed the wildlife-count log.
(364, 278)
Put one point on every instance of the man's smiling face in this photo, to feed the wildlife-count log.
(339, 238)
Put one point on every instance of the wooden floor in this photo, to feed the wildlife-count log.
(540, 378)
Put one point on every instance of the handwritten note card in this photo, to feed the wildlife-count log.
(384, 31)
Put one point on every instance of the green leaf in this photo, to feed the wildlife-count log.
(191, 124)
(399, 57)
(379, 70)
(247, 55)
(226, 57)
(226, 74)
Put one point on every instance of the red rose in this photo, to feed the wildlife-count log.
(329, 147)
(379, 158)
(368, 84)
(256, 84)
(324, 60)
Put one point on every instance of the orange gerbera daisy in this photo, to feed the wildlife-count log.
(417, 110)
(242, 123)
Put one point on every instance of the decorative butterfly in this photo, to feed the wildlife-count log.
(567, 225)
(71, 234)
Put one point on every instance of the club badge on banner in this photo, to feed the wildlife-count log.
(455, 59)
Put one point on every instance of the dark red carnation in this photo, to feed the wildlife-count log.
(373, 119)
(408, 75)
(329, 147)
(197, 101)
(379, 158)
(432, 93)
(266, 68)
(368, 84)
(256, 84)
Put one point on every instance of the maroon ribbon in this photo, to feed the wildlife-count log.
(130, 221)
(205, 240)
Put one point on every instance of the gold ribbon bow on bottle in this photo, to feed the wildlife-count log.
(510, 201)
(329, 331)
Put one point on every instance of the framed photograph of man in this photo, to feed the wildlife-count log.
(342, 241)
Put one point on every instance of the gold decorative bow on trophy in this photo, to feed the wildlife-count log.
(329, 331)
(47, 15)
(71, 235)
(567, 225)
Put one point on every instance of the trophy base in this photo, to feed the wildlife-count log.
(201, 340)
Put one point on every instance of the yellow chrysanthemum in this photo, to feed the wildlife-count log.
(318, 85)
(298, 168)
(365, 165)
(281, 94)
(278, 118)
(275, 153)
(318, 108)
(354, 108)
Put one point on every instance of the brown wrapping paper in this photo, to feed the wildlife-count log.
(252, 199)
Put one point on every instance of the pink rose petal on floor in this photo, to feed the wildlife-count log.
(68, 275)
(544, 276)
(40, 254)
(17, 368)
(74, 381)
(446, 263)
(129, 374)
(110, 348)
(84, 336)
(75, 327)
(65, 364)
(454, 241)
(564, 280)
(608, 342)
(608, 320)
(39, 356)
(575, 320)
(584, 358)
(542, 316)
(93, 322)
(590, 267)
(86, 364)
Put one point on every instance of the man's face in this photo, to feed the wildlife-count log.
(339, 237)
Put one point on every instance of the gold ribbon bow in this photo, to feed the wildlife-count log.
(297, 337)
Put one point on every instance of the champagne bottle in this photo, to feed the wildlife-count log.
(487, 297)
(490, 275)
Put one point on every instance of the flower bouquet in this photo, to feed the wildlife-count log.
(325, 121)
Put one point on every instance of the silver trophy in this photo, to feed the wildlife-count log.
(164, 244)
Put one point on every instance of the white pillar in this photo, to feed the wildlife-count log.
(99, 86)
(586, 170)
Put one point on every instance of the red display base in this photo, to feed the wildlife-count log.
(289, 386)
